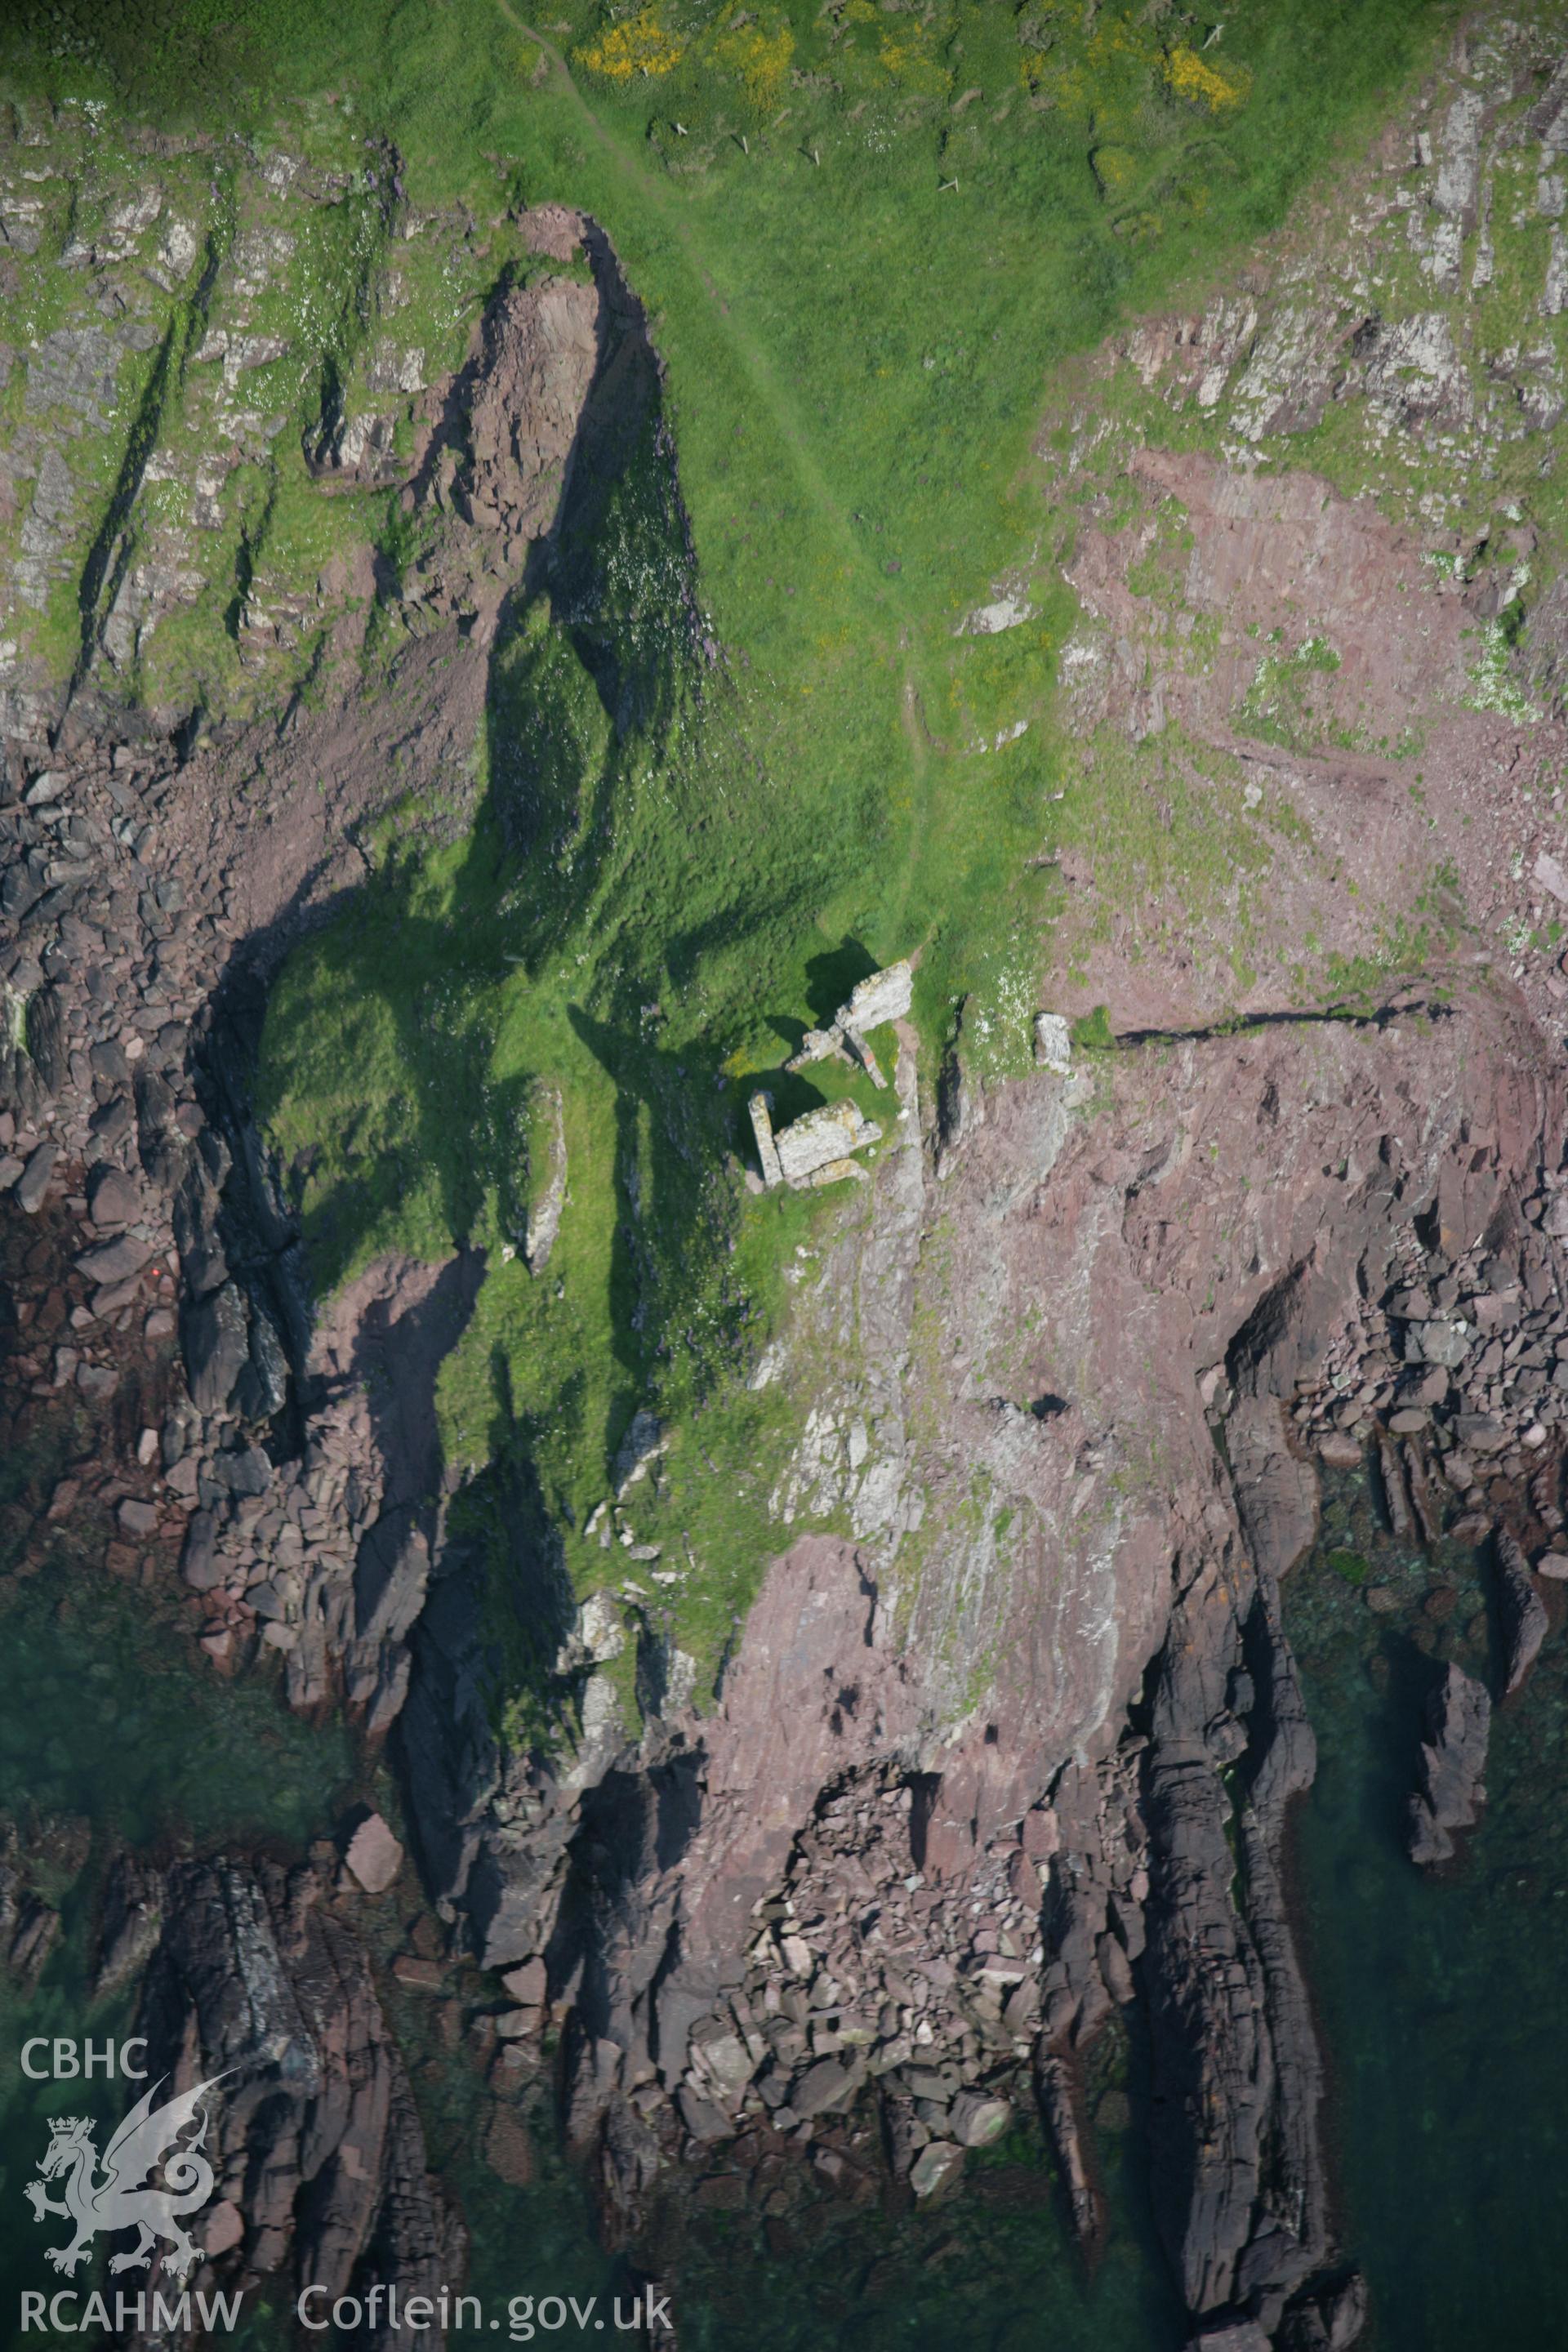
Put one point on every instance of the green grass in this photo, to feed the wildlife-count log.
(1278, 707)
(861, 290)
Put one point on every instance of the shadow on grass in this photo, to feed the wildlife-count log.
(594, 671)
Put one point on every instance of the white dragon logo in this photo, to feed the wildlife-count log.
(120, 2200)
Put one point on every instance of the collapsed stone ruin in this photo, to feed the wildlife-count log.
(818, 1147)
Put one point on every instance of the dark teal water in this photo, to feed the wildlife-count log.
(1443, 2002)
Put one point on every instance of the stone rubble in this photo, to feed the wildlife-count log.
(869, 1970)
(1455, 1365)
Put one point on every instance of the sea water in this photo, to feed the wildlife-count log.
(1442, 1997)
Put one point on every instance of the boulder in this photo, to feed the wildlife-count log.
(703, 2119)
(975, 2119)
(1520, 1611)
(726, 2061)
(373, 1854)
(1437, 1342)
(936, 2168)
(33, 1184)
(48, 1037)
(828, 2084)
(112, 1199)
(1396, 1496)
(216, 1344)
(198, 1566)
(244, 1470)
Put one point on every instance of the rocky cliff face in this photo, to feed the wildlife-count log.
(150, 887)
(1014, 1697)
(316, 2147)
(854, 1881)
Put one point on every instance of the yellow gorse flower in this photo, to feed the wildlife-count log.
(910, 63)
(641, 46)
(1205, 85)
(760, 55)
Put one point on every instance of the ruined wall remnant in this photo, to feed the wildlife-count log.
(816, 1148)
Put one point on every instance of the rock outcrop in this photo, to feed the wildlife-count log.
(1522, 1612)
(1453, 1766)
(152, 881)
(815, 1905)
(1239, 2190)
(321, 2175)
